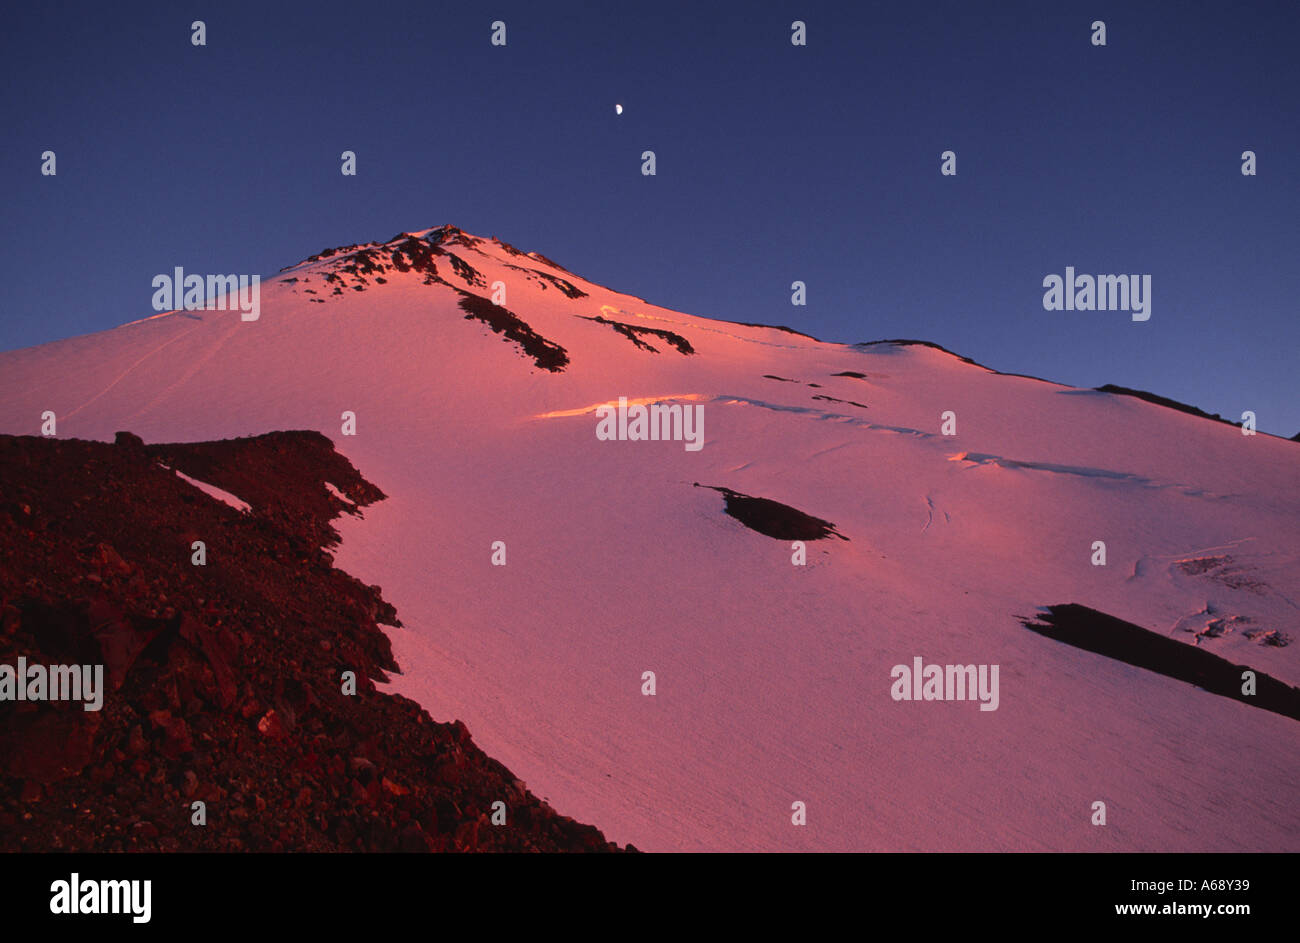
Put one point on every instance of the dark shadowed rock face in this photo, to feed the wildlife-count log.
(223, 683)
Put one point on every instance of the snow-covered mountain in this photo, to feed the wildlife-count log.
(772, 680)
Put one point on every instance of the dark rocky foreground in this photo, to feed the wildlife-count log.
(222, 682)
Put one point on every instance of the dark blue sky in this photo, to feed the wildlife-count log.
(775, 163)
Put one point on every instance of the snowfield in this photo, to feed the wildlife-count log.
(772, 680)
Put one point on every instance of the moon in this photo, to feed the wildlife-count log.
(618, 109)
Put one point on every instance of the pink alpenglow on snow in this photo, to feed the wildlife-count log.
(842, 527)
(918, 682)
(652, 422)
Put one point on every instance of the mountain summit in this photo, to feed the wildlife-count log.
(687, 668)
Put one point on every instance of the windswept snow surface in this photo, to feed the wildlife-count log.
(773, 680)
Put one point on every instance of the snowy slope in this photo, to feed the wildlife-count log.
(773, 680)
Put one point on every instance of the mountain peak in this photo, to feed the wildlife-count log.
(436, 236)
(496, 398)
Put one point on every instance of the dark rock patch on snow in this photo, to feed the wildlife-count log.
(774, 519)
(568, 289)
(846, 402)
(416, 255)
(1106, 635)
(545, 279)
(1223, 569)
(466, 271)
(634, 333)
(546, 354)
